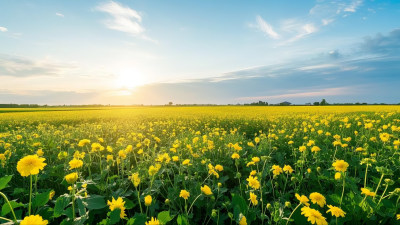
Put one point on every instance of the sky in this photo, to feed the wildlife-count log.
(199, 52)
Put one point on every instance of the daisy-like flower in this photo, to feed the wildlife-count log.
(303, 199)
(206, 190)
(336, 211)
(276, 170)
(317, 198)
(30, 165)
(147, 200)
(117, 204)
(340, 165)
(367, 192)
(153, 221)
(75, 163)
(243, 221)
(253, 182)
(253, 198)
(314, 216)
(34, 220)
(235, 156)
(71, 178)
(184, 194)
(288, 169)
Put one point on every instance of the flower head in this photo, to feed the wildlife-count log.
(317, 198)
(336, 211)
(314, 216)
(34, 219)
(206, 190)
(71, 178)
(30, 165)
(147, 200)
(303, 199)
(235, 156)
(288, 169)
(367, 192)
(184, 194)
(135, 179)
(75, 163)
(340, 165)
(253, 182)
(253, 198)
(153, 221)
(117, 204)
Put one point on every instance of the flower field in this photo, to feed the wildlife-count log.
(200, 165)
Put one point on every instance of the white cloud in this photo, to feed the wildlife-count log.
(3, 29)
(123, 19)
(327, 21)
(59, 14)
(353, 6)
(263, 26)
(314, 67)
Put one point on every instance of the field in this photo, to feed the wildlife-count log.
(200, 165)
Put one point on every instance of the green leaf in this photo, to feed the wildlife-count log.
(164, 217)
(182, 220)
(41, 199)
(6, 208)
(239, 206)
(4, 181)
(138, 219)
(61, 203)
(115, 216)
(95, 202)
(81, 207)
(129, 204)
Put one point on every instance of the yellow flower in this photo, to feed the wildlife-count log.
(69, 188)
(338, 175)
(276, 170)
(175, 158)
(206, 190)
(253, 182)
(288, 169)
(336, 211)
(253, 173)
(340, 165)
(153, 221)
(154, 169)
(243, 221)
(75, 163)
(314, 216)
(34, 220)
(147, 200)
(317, 198)
(302, 148)
(398, 216)
(71, 178)
(186, 162)
(257, 140)
(255, 159)
(253, 198)
(30, 165)
(83, 142)
(117, 204)
(184, 194)
(315, 149)
(110, 158)
(51, 194)
(384, 137)
(40, 152)
(367, 192)
(135, 179)
(303, 199)
(235, 156)
(219, 168)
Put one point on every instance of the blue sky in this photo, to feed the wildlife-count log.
(153, 52)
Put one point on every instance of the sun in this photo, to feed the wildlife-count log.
(129, 79)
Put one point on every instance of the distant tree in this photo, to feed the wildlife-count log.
(316, 103)
(323, 102)
(170, 103)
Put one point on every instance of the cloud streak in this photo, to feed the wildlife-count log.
(266, 28)
(123, 19)
(3, 29)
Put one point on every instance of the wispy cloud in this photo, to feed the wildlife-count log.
(316, 67)
(22, 67)
(266, 28)
(352, 7)
(59, 14)
(124, 19)
(3, 29)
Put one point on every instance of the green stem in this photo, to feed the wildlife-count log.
(30, 195)
(365, 179)
(140, 204)
(382, 194)
(379, 184)
(193, 202)
(2, 218)
(344, 181)
(9, 205)
(292, 213)
(73, 205)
